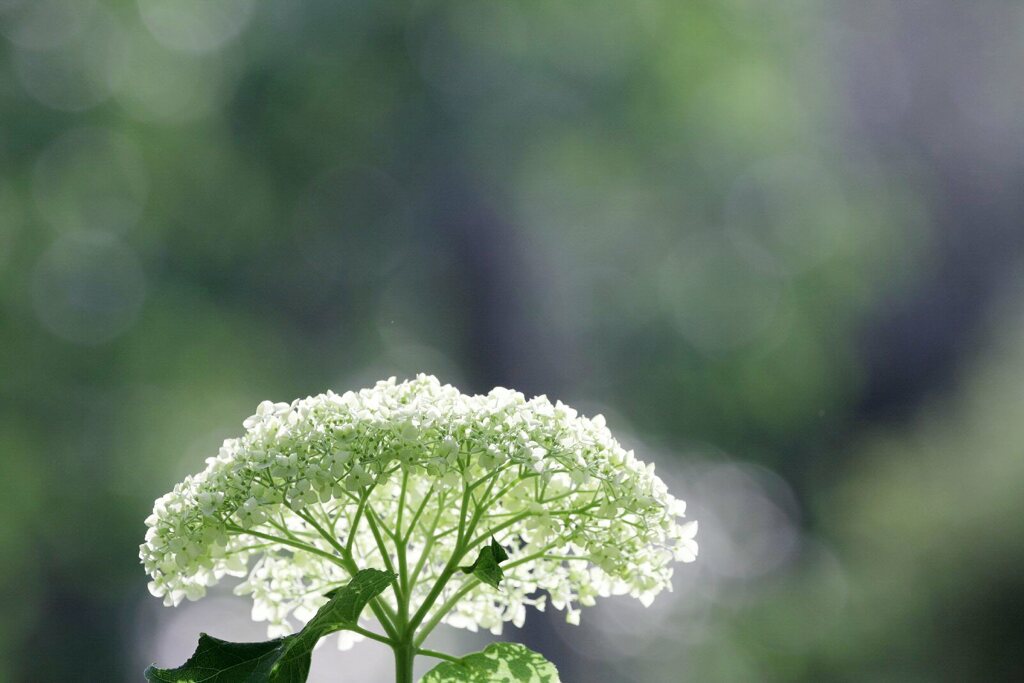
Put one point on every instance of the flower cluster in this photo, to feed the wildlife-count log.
(420, 476)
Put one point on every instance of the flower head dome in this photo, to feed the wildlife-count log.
(418, 478)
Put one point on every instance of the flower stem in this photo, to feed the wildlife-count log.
(405, 653)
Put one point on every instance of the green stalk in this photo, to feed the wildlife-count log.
(405, 653)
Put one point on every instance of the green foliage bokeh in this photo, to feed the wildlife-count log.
(659, 207)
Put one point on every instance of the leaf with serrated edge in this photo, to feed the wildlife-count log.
(498, 551)
(285, 660)
(506, 662)
(219, 661)
(486, 568)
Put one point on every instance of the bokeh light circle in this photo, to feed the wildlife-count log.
(88, 288)
(718, 300)
(73, 76)
(750, 520)
(91, 179)
(789, 212)
(44, 24)
(195, 25)
(156, 84)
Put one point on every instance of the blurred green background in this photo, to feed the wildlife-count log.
(778, 244)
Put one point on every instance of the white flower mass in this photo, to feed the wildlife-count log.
(417, 478)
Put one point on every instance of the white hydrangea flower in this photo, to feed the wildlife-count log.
(417, 477)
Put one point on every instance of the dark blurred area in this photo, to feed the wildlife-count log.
(778, 244)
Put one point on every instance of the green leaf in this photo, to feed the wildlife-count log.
(499, 552)
(284, 660)
(347, 602)
(486, 566)
(505, 662)
(218, 661)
